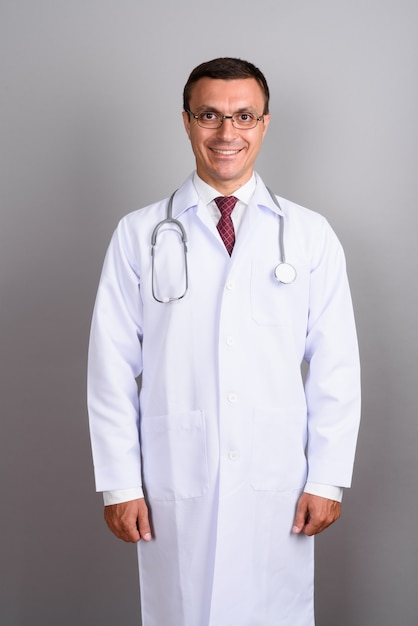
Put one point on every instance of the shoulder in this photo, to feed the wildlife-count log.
(310, 231)
(290, 210)
(143, 215)
(298, 213)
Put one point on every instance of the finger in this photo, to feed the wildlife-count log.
(122, 522)
(128, 533)
(322, 518)
(144, 526)
(311, 528)
(301, 517)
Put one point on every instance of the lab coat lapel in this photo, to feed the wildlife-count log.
(185, 199)
(253, 218)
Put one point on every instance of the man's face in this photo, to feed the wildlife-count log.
(225, 156)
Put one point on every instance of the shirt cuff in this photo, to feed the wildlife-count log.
(325, 491)
(116, 496)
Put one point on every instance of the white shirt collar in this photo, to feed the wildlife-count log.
(208, 193)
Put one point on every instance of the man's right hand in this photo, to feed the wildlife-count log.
(129, 520)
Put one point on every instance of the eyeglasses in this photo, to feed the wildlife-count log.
(242, 121)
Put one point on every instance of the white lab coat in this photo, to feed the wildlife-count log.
(224, 435)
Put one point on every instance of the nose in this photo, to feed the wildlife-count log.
(227, 129)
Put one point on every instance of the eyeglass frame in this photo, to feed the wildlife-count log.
(224, 117)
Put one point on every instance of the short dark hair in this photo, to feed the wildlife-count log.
(226, 68)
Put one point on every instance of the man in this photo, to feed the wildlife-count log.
(240, 463)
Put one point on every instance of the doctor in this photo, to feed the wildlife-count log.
(227, 464)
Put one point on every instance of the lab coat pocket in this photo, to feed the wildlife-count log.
(278, 456)
(174, 456)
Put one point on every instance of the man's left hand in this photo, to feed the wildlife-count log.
(314, 514)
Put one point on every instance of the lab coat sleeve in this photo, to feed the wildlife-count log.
(333, 379)
(114, 363)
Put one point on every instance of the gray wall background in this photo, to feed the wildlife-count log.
(90, 130)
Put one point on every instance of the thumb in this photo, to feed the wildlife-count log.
(144, 526)
(300, 517)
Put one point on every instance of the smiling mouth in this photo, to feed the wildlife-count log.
(225, 152)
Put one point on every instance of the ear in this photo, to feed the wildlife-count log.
(186, 122)
(266, 123)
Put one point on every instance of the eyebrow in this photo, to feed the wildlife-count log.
(211, 109)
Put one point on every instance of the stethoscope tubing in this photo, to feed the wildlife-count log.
(284, 272)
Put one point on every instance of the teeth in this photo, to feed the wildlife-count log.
(226, 151)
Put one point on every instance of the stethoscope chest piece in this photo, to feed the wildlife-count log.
(285, 273)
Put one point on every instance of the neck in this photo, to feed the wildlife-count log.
(225, 187)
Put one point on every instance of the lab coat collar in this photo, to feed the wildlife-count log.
(186, 197)
(263, 198)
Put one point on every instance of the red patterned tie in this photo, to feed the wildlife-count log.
(225, 226)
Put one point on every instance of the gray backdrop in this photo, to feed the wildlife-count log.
(90, 130)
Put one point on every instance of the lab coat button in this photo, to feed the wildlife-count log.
(230, 284)
(233, 455)
(230, 341)
(232, 398)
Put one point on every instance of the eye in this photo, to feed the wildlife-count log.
(245, 118)
(208, 116)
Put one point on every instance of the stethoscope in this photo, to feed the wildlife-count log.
(284, 272)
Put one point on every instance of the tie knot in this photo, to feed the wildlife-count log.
(226, 204)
